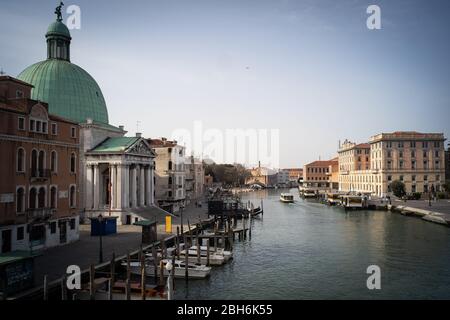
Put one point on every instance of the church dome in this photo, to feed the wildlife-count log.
(58, 28)
(69, 90)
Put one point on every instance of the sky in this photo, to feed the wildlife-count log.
(309, 68)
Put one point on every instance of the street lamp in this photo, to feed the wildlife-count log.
(100, 220)
(169, 268)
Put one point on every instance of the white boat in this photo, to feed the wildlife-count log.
(309, 193)
(221, 251)
(215, 259)
(286, 197)
(195, 271)
(353, 201)
(334, 198)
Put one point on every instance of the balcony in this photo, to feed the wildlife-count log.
(40, 214)
(40, 174)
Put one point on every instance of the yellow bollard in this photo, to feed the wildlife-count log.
(168, 224)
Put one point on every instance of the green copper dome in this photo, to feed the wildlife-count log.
(69, 90)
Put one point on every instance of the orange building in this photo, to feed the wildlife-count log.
(319, 174)
(39, 172)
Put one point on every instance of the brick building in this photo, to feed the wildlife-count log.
(39, 172)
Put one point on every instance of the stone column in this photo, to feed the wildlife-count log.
(119, 188)
(133, 187)
(152, 183)
(148, 186)
(142, 186)
(96, 187)
(112, 176)
(89, 187)
(126, 185)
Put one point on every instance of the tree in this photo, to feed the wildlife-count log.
(446, 186)
(398, 188)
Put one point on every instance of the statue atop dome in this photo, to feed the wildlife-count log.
(58, 12)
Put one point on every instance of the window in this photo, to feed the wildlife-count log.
(44, 127)
(53, 227)
(425, 178)
(169, 194)
(20, 160)
(38, 126)
(400, 154)
(21, 124)
(170, 165)
(413, 144)
(54, 129)
(72, 162)
(401, 178)
(73, 132)
(425, 144)
(413, 164)
(400, 164)
(413, 188)
(169, 150)
(389, 178)
(19, 94)
(72, 224)
(20, 233)
(389, 154)
(32, 198)
(436, 154)
(413, 154)
(53, 197)
(20, 200)
(400, 144)
(32, 123)
(72, 195)
(170, 180)
(53, 161)
(436, 164)
(425, 164)
(413, 178)
(41, 198)
(438, 178)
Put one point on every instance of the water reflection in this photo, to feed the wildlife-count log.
(307, 250)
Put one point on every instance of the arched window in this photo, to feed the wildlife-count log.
(41, 198)
(72, 196)
(20, 200)
(54, 161)
(53, 197)
(20, 160)
(41, 160)
(170, 165)
(72, 162)
(32, 198)
(34, 156)
(170, 180)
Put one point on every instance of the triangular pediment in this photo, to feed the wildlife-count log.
(141, 147)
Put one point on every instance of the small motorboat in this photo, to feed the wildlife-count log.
(215, 259)
(221, 251)
(195, 271)
(286, 198)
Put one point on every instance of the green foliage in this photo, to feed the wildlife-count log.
(446, 186)
(398, 188)
(442, 195)
(228, 174)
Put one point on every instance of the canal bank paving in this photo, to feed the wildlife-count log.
(434, 211)
(53, 262)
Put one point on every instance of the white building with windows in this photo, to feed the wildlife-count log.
(170, 174)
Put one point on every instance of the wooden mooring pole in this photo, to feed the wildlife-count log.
(142, 274)
(127, 281)
(45, 288)
(91, 282)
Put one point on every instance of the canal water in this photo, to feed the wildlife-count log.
(307, 250)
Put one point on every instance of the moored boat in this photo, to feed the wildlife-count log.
(195, 271)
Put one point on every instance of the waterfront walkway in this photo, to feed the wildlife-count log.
(438, 211)
(84, 252)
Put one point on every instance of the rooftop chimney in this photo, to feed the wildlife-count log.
(138, 135)
(121, 128)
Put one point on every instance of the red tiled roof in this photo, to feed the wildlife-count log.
(324, 163)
